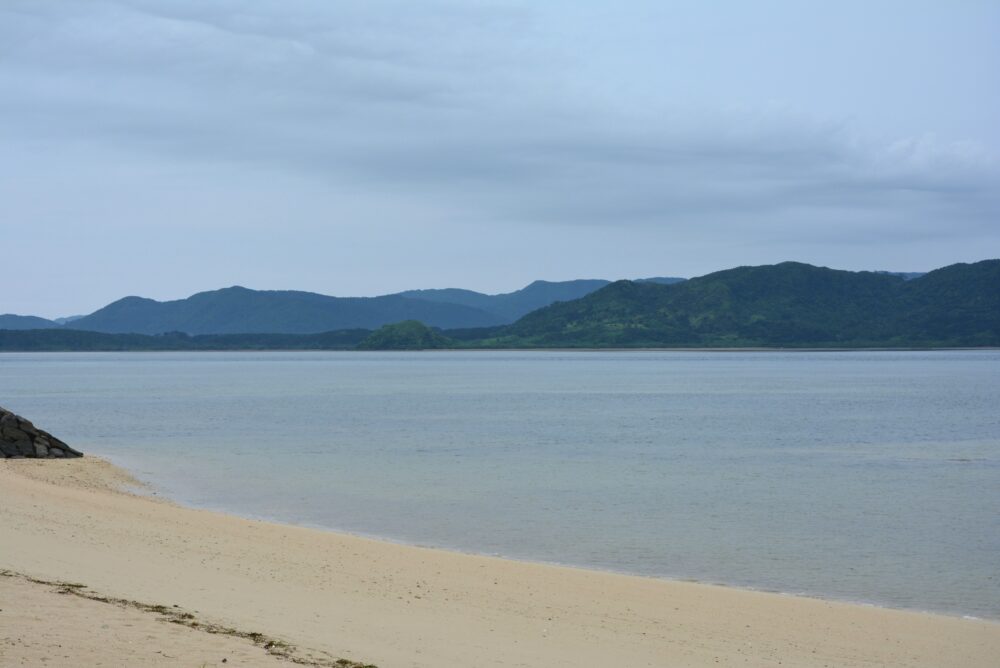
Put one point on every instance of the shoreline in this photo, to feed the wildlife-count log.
(828, 598)
(395, 604)
(691, 349)
(157, 494)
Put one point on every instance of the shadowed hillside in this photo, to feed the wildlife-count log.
(788, 304)
(238, 310)
(510, 306)
(11, 321)
(785, 305)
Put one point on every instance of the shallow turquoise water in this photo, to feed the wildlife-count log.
(868, 476)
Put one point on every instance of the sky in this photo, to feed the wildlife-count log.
(361, 147)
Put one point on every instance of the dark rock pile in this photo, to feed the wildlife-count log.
(20, 438)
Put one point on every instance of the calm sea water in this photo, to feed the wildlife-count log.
(869, 476)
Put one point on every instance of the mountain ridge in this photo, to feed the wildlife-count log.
(17, 322)
(789, 303)
(513, 305)
(240, 310)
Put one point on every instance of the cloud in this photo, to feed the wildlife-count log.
(454, 112)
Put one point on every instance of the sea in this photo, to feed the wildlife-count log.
(869, 477)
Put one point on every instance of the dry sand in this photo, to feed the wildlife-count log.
(331, 596)
(40, 627)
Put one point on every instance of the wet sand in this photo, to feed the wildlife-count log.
(322, 596)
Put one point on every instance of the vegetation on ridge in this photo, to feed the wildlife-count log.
(46, 340)
(406, 335)
(784, 305)
(238, 310)
(789, 304)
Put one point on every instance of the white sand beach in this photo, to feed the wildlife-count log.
(322, 597)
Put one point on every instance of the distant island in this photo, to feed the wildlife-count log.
(787, 305)
(238, 310)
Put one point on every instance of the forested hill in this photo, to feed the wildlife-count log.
(789, 304)
(239, 310)
(785, 305)
(510, 306)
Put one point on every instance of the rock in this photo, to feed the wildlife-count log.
(13, 433)
(25, 447)
(20, 438)
(26, 426)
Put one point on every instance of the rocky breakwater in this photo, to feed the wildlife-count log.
(20, 438)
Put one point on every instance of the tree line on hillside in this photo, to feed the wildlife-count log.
(785, 305)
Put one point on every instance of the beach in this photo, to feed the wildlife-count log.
(321, 597)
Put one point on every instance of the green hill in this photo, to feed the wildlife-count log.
(785, 305)
(957, 303)
(407, 335)
(238, 310)
(510, 306)
(789, 304)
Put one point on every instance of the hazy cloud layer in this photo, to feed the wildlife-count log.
(361, 147)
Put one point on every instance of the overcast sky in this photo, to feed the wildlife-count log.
(358, 147)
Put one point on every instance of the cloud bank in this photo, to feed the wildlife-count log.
(451, 122)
